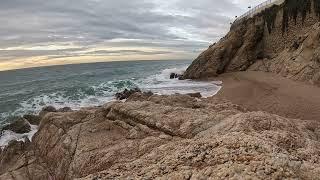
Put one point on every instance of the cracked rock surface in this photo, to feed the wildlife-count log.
(166, 137)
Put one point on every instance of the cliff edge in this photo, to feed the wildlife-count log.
(283, 39)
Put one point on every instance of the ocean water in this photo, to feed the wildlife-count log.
(27, 91)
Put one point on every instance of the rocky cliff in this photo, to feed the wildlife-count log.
(283, 39)
(177, 137)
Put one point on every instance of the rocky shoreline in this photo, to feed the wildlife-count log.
(178, 136)
(259, 126)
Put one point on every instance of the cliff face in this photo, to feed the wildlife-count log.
(236, 51)
(271, 41)
(177, 137)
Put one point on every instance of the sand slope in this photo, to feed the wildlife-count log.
(271, 93)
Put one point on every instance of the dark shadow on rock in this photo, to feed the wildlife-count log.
(20, 125)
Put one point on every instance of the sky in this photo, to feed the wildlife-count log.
(41, 33)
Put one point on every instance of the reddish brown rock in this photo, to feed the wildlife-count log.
(166, 137)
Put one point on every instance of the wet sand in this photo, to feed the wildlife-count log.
(259, 91)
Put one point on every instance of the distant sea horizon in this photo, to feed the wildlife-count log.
(44, 66)
(27, 91)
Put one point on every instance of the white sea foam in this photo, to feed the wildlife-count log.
(100, 94)
(162, 84)
(8, 136)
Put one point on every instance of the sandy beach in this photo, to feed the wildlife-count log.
(259, 91)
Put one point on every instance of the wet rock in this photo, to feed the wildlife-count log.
(32, 119)
(172, 75)
(176, 76)
(126, 93)
(181, 77)
(196, 95)
(46, 110)
(65, 109)
(19, 126)
(49, 109)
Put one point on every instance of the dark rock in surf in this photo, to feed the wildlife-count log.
(176, 76)
(172, 75)
(65, 109)
(126, 93)
(180, 77)
(32, 119)
(19, 126)
(46, 110)
(195, 95)
(49, 109)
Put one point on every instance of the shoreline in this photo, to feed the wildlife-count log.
(174, 135)
(261, 91)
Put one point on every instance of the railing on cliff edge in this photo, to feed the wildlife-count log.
(259, 8)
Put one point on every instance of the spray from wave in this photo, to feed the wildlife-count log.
(77, 97)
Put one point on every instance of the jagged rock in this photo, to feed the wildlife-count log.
(65, 109)
(49, 109)
(46, 110)
(140, 96)
(196, 95)
(176, 76)
(165, 137)
(17, 162)
(126, 93)
(172, 75)
(20, 126)
(32, 119)
(181, 77)
(300, 61)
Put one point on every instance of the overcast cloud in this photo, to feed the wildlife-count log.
(39, 32)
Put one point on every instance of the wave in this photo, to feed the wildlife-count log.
(8, 136)
(79, 96)
(162, 84)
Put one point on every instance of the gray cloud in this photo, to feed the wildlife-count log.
(178, 25)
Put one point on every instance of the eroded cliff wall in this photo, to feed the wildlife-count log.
(267, 42)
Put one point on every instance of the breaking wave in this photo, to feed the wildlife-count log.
(78, 96)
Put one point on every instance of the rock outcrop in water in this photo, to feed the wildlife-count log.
(177, 137)
(126, 93)
(283, 39)
(20, 125)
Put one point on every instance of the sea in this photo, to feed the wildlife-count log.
(27, 91)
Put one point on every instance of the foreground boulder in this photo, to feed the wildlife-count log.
(20, 126)
(167, 137)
